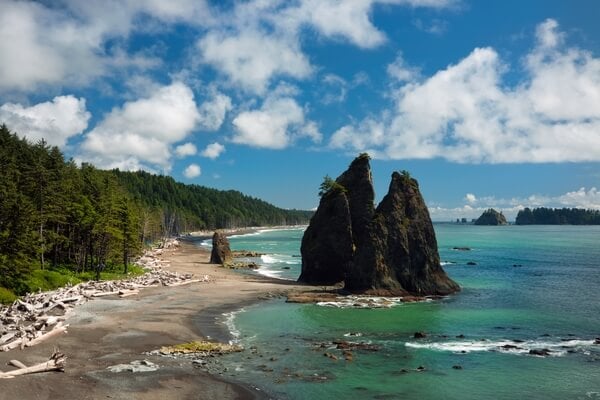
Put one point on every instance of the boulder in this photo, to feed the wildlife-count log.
(221, 253)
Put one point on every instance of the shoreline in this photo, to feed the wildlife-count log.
(111, 331)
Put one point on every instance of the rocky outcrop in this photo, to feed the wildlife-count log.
(221, 253)
(491, 217)
(327, 246)
(391, 250)
(339, 225)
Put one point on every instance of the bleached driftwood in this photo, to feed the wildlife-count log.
(58, 329)
(56, 363)
(38, 316)
(17, 363)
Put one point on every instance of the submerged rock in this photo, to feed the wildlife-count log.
(491, 217)
(390, 250)
(221, 253)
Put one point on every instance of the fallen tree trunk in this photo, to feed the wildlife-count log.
(59, 328)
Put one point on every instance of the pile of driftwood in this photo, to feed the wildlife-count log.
(37, 317)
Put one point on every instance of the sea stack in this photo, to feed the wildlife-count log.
(221, 253)
(392, 250)
(491, 217)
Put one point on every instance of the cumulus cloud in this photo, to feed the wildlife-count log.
(259, 40)
(213, 150)
(275, 125)
(185, 150)
(581, 198)
(54, 121)
(213, 111)
(192, 171)
(250, 58)
(141, 132)
(470, 198)
(400, 71)
(466, 113)
(71, 41)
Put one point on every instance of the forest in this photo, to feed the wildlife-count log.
(558, 216)
(61, 222)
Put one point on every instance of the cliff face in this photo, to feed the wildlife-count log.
(221, 253)
(391, 250)
(327, 242)
(338, 226)
(491, 217)
(402, 254)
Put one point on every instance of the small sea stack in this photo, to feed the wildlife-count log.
(491, 217)
(388, 250)
(221, 252)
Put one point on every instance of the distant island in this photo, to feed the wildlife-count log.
(558, 216)
(491, 217)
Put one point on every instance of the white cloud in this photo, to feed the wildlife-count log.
(143, 130)
(465, 113)
(55, 121)
(435, 26)
(276, 124)
(251, 58)
(470, 198)
(400, 71)
(185, 150)
(212, 112)
(258, 40)
(192, 171)
(72, 41)
(213, 150)
(581, 198)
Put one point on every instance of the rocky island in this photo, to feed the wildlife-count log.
(491, 217)
(388, 250)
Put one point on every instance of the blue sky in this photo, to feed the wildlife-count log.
(486, 103)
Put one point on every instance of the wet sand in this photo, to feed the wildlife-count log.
(110, 331)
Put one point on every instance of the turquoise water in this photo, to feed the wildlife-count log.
(533, 287)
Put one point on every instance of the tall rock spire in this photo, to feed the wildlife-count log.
(389, 250)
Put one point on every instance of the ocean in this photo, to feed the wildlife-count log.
(531, 288)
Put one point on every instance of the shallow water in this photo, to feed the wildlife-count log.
(533, 287)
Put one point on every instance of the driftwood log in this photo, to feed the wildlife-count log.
(56, 363)
(39, 316)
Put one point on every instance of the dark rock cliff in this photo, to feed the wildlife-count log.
(221, 253)
(391, 250)
(327, 242)
(339, 225)
(491, 217)
(402, 254)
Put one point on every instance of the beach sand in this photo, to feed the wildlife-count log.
(108, 331)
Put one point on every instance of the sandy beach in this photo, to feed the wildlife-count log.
(111, 331)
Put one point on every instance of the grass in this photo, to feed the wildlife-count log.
(56, 277)
(6, 296)
(200, 346)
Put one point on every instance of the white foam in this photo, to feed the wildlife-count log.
(556, 348)
(362, 302)
(269, 259)
(229, 322)
(272, 273)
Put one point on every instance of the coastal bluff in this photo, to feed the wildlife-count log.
(389, 250)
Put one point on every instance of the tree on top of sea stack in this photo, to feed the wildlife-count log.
(391, 250)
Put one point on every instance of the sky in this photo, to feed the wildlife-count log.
(487, 103)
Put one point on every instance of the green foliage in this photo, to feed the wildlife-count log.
(558, 216)
(6, 296)
(329, 185)
(60, 222)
